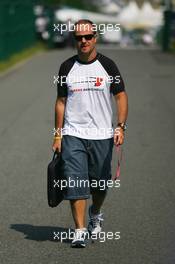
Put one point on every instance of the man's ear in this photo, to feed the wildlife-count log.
(96, 37)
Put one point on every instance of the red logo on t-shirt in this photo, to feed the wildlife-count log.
(98, 81)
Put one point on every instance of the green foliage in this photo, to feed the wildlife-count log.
(79, 4)
(22, 56)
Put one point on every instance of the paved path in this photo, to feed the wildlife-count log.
(142, 209)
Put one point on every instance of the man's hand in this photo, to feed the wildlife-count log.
(118, 136)
(59, 117)
(122, 110)
(56, 145)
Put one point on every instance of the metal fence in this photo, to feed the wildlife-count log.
(17, 29)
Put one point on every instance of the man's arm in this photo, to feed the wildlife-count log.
(122, 111)
(59, 119)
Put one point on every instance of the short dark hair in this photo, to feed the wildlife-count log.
(84, 21)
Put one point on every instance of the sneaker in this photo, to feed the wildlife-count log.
(79, 238)
(95, 222)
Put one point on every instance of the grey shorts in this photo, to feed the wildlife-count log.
(86, 166)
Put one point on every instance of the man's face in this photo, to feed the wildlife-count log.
(85, 38)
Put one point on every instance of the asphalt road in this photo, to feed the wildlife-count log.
(142, 209)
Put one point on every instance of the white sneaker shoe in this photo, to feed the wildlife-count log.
(79, 238)
(95, 223)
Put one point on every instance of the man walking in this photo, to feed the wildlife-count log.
(83, 125)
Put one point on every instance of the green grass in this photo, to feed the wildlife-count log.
(18, 57)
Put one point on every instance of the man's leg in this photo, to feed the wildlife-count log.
(75, 167)
(95, 215)
(100, 155)
(77, 191)
(98, 198)
(79, 212)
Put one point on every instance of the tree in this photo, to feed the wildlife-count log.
(79, 4)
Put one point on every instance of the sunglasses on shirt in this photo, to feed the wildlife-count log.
(87, 37)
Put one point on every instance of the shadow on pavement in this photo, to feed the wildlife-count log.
(43, 233)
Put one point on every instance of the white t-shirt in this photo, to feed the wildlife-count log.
(89, 88)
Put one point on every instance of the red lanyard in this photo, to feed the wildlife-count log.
(119, 159)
